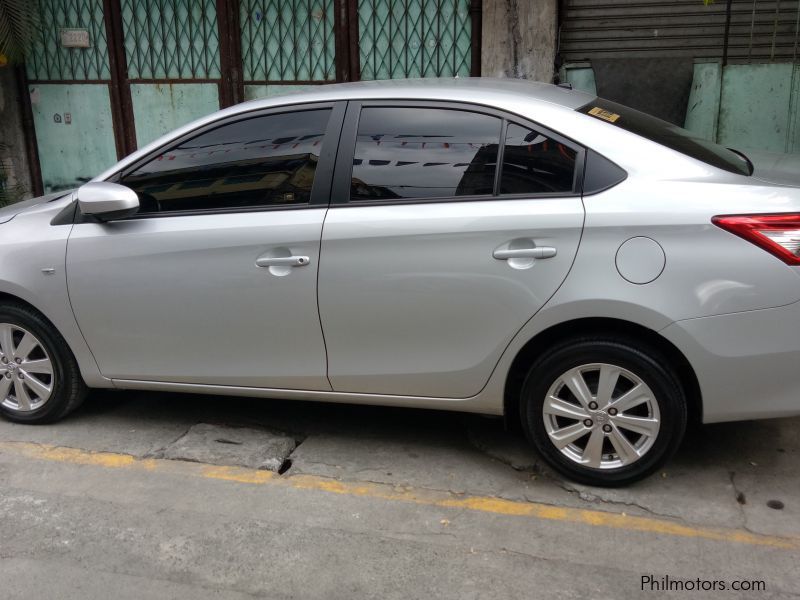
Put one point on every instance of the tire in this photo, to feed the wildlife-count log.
(25, 361)
(600, 456)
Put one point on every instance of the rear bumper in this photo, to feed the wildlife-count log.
(747, 363)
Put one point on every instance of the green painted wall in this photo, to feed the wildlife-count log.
(71, 153)
(756, 107)
(158, 108)
(254, 91)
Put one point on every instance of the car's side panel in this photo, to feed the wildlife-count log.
(707, 272)
(215, 282)
(32, 268)
(743, 362)
(181, 298)
(412, 301)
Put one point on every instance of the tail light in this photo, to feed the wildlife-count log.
(777, 234)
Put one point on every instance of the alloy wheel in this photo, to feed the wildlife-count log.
(601, 416)
(26, 371)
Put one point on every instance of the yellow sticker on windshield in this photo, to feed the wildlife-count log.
(604, 114)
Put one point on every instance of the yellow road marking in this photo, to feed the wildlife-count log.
(486, 504)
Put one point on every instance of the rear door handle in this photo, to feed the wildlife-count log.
(282, 261)
(537, 252)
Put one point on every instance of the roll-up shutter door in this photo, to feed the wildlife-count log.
(760, 30)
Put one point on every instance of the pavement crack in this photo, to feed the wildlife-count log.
(474, 440)
(741, 500)
(597, 499)
(583, 495)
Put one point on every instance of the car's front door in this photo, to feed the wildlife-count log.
(214, 281)
(432, 256)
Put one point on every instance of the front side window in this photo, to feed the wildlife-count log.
(535, 164)
(410, 153)
(257, 162)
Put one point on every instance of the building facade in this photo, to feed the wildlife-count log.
(106, 77)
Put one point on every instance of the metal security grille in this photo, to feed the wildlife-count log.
(414, 38)
(287, 40)
(171, 39)
(50, 61)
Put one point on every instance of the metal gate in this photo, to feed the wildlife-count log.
(172, 59)
(415, 38)
(70, 95)
(135, 69)
(272, 31)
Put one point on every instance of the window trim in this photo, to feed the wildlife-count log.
(501, 156)
(343, 173)
(323, 174)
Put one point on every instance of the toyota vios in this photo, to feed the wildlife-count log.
(490, 246)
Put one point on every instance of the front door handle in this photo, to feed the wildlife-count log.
(282, 261)
(537, 252)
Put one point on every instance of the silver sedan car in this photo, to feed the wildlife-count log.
(594, 274)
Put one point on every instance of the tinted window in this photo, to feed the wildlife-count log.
(535, 164)
(667, 134)
(263, 161)
(424, 153)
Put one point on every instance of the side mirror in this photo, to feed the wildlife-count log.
(107, 201)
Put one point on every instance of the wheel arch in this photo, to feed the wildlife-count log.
(69, 332)
(6, 297)
(543, 340)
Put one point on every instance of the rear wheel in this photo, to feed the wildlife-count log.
(603, 411)
(39, 377)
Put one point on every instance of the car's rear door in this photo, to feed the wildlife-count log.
(432, 258)
(214, 281)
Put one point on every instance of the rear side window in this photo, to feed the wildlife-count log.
(409, 152)
(262, 161)
(667, 134)
(535, 164)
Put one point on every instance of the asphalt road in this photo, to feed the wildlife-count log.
(167, 496)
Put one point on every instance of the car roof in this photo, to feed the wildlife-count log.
(458, 89)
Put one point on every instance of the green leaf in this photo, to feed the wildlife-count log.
(19, 28)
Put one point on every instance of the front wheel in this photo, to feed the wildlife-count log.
(603, 411)
(39, 377)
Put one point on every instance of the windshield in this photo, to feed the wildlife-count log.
(667, 134)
